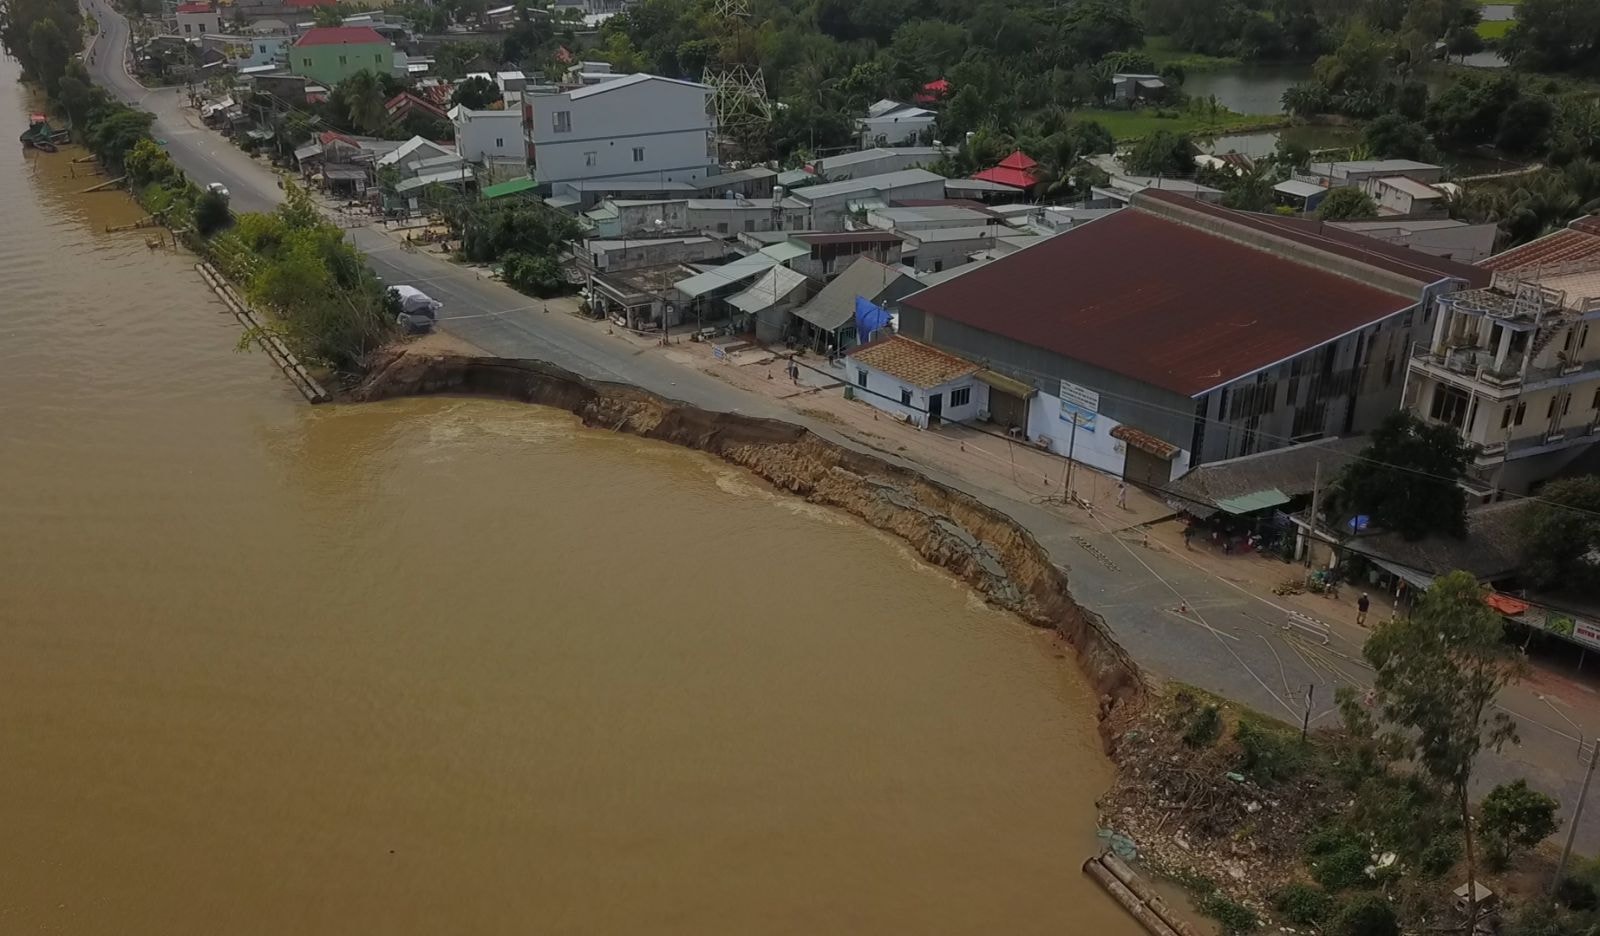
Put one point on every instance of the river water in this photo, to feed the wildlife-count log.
(451, 666)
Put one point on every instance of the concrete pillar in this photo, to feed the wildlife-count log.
(1441, 327)
(1504, 349)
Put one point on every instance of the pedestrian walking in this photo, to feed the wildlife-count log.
(1122, 494)
(1362, 604)
(1188, 536)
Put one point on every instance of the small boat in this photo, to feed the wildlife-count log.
(41, 135)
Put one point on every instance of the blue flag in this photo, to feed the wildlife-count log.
(869, 318)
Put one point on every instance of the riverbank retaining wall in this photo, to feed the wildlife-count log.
(953, 530)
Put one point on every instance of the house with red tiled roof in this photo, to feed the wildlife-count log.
(1017, 170)
(1176, 332)
(1512, 365)
(330, 54)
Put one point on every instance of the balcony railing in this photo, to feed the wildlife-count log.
(1474, 364)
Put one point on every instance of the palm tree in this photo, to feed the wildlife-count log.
(363, 99)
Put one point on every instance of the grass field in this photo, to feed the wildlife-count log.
(1495, 30)
(1127, 125)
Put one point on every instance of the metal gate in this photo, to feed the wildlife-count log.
(1144, 469)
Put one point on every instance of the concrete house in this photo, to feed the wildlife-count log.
(915, 382)
(197, 19)
(875, 161)
(1405, 197)
(635, 127)
(891, 123)
(330, 54)
(827, 320)
(1176, 333)
(488, 135)
(1513, 367)
(1129, 86)
(825, 207)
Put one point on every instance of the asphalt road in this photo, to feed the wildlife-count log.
(486, 313)
(1229, 641)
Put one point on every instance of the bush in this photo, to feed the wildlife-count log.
(1439, 855)
(1204, 728)
(211, 213)
(1235, 917)
(1338, 857)
(1367, 915)
(1577, 895)
(1302, 903)
(1269, 756)
(537, 276)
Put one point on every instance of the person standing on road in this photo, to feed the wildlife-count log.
(1122, 494)
(1362, 604)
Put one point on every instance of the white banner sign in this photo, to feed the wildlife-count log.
(1079, 405)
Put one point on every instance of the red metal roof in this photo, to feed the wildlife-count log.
(1424, 269)
(194, 8)
(850, 237)
(341, 35)
(1578, 242)
(1015, 170)
(307, 4)
(1162, 302)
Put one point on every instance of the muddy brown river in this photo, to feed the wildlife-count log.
(448, 666)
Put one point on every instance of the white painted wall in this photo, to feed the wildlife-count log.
(1096, 449)
(488, 134)
(883, 391)
(656, 129)
(197, 24)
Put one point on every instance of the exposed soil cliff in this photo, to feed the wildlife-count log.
(985, 548)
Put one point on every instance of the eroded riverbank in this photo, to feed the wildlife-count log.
(979, 545)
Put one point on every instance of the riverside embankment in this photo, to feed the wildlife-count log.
(979, 545)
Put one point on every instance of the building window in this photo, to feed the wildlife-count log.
(499, 142)
(1566, 404)
(588, 158)
(1522, 409)
(1550, 411)
(960, 396)
(563, 121)
(188, 28)
(202, 27)
(1596, 403)
(722, 227)
(1505, 415)
(343, 61)
(1449, 405)
(905, 397)
(861, 381)
(263, 49)
(749, 224)
(638, 154)
(308, 63)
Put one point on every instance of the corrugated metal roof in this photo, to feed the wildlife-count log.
(1564, 246)
(835, 305)
(872, 183)
(774, 286)
(1159, 301)
(509, 188)
(730, 274)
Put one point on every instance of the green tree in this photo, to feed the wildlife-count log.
(1347, 204)
(1252, 190)
(211, 213)
(1394, 137)
(50, 52)
(1553, 35)
(1514, 817)
(1561, 535)
(477, 93)
(1405, 479)
(1092, 29)
(1463, 41)
(359, 103)
(1525, 124)
(1439, 671)
(1163, 153)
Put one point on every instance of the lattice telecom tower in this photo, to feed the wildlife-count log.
(739, 96)
(738, 93)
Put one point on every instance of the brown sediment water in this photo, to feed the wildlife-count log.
(463, 666)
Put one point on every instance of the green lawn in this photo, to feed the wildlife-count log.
(1133, 124)
(1496, 29)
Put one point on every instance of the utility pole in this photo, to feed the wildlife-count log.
(1577, 813)
(1072, 446)
(1316, 501)
(1305, 726)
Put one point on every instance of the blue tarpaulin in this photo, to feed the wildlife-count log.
(869, 318)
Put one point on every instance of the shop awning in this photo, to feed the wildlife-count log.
(1250, 503)
(1415, 578)
(1006, 384)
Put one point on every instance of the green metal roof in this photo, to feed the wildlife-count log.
(1256, 500)
(509, 188)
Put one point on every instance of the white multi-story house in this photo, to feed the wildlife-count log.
(197, 19)
(891, 123)
(1514, 366)
(484, 136)
(638, 127)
